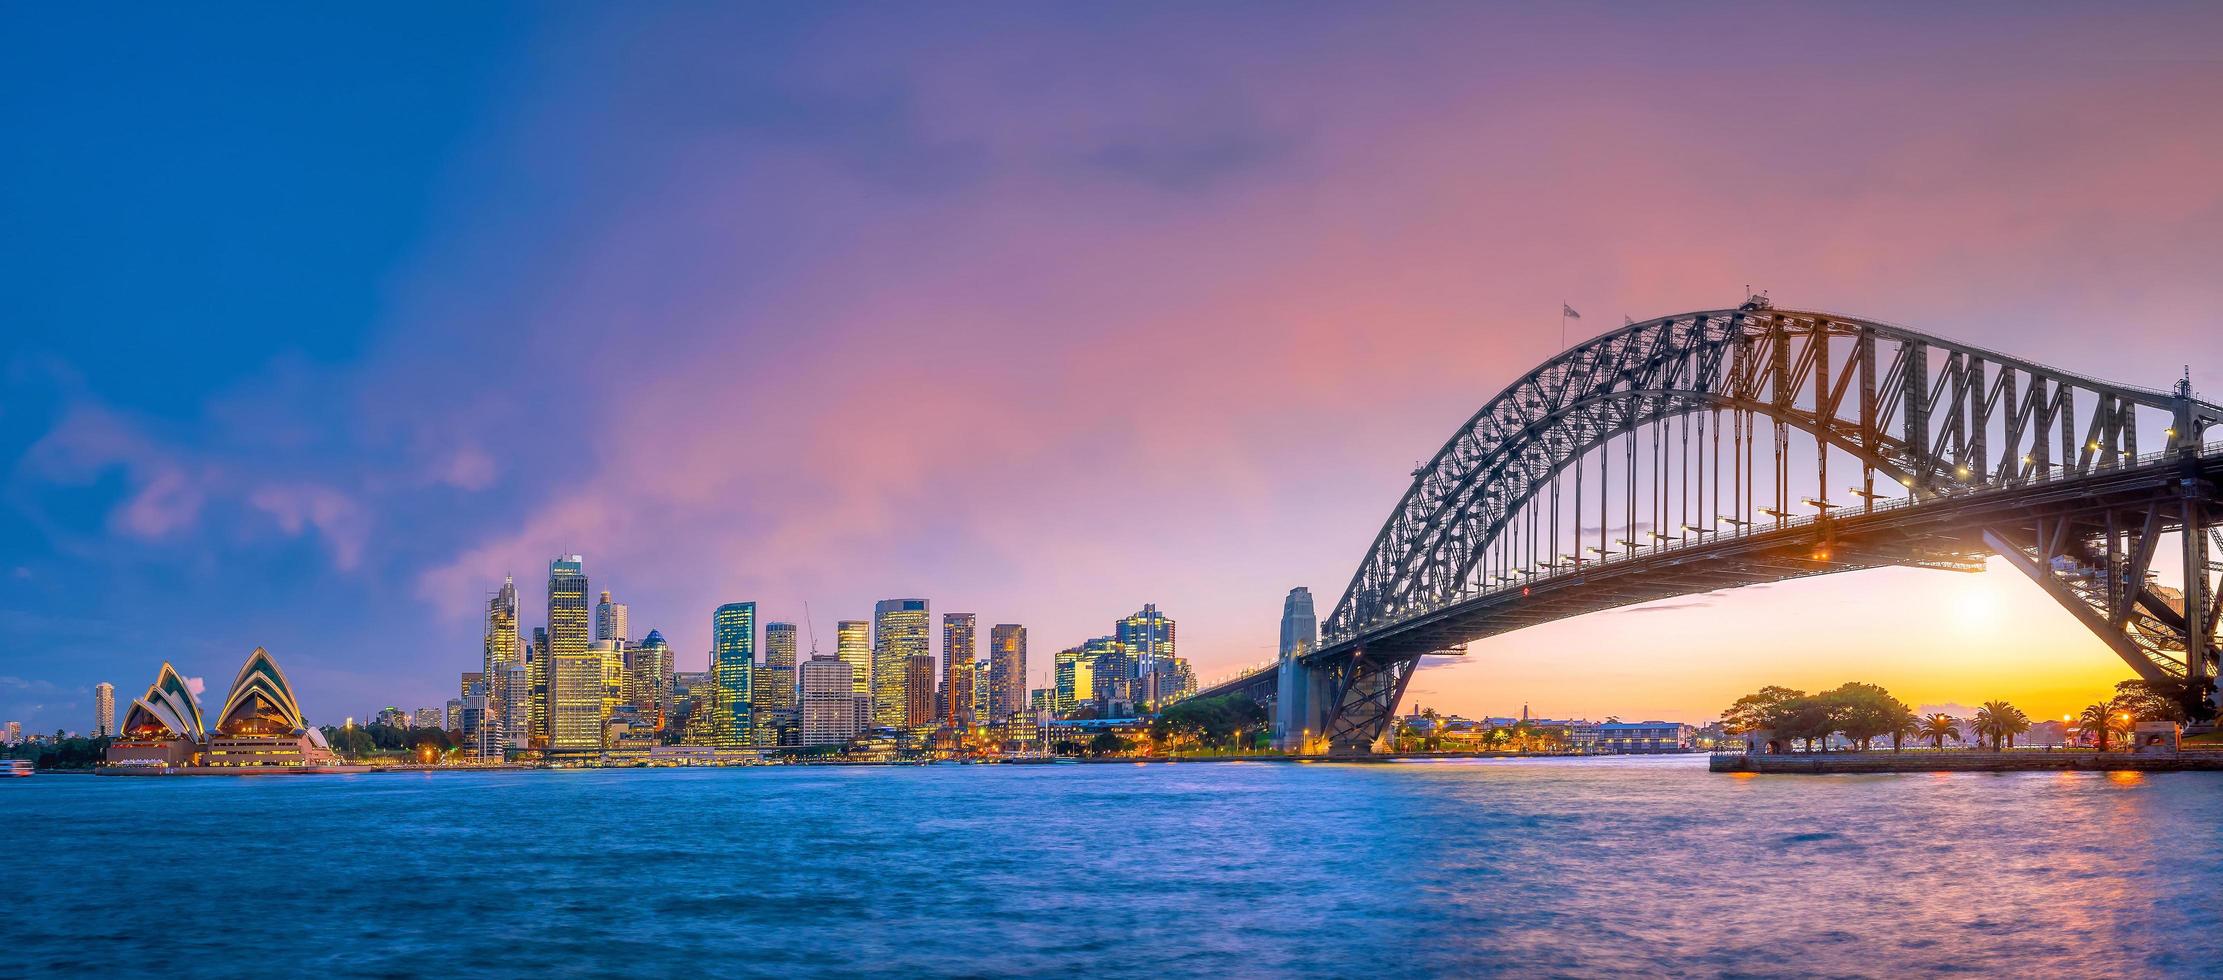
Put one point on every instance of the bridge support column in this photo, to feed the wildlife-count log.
(1302, 702)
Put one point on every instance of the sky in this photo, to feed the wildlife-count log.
(316, 322)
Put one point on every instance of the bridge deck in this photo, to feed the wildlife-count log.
(1943, 531)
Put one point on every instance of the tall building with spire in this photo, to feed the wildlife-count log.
(574, 671)
(609, 620)
(497, 655)
(853, 644)
(899, 632)
(1007, 672)
(104, 710)
(960, 645)
(733, 669)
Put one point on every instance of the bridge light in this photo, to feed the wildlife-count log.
(2169, 433)
(1962, 471)
(1906, 481)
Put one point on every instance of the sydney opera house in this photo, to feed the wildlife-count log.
(260, 725)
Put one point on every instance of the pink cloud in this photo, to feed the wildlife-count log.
(336, 516)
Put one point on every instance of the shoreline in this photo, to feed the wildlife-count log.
(1277, 758)
(1852, 763)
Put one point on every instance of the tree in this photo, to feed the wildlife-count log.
(1937, 728)
(1806, 719)
(1108, 743)
(1758, 709)
(1212, 722)
(2001, 722)
(2149, 701)
(1862, 712)
(2098, 720)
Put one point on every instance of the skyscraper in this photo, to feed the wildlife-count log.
(104, 710)
(918, 690)
(959, 646)
(497, 655)
(1075, 678)
(733, 665)
(574, 672)
(898, 633)
(609, 619)
(536, 678)
(1007, 672)
(853, 643)
(829, 708)
(650, 679)
(775, 684)
(612, 655)
(1148, 638)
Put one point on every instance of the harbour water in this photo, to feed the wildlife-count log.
(1552, 867)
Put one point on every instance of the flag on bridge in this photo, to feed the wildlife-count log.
(1569, 312)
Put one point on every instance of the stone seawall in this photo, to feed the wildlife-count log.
(1887, 761)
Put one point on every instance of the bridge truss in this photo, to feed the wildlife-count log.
(1695, 452)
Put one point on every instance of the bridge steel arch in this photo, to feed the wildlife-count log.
(1962, 452)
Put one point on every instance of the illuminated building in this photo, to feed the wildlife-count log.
(391, 717)
(980, 691)
(609, 620)
(1007, 672)
(774, 688)
(162, 727)
(1075, 674)
(918, 691)
(478, 728)
(853, 642)
(733, 662)
(651, 680)
(104, 710)
(959, 648)
(261, 724)
(1113, 671)
(829, 701)
(611, 654)
(898, 634)
(497, 655)
(568, 636)
(1148, 637)
(515, 713)
(455, 713)
(536, 675)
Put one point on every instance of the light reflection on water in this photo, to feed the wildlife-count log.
(1569, 867)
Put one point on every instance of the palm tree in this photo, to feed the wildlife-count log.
(1937, 728)
(2001, 721)
(2096, 721)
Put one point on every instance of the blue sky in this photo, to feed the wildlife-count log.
(315, 322)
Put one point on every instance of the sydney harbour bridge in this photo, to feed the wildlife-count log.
(1726, 448)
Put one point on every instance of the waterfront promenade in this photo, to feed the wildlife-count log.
(2019, 760)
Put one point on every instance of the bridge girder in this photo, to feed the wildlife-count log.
(1971, 448)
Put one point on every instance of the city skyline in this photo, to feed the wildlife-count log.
(336, 402)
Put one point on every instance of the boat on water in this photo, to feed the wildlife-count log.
(15, 767)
